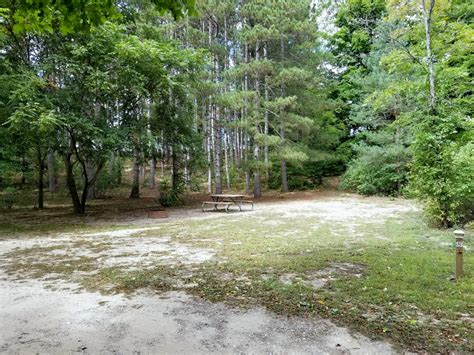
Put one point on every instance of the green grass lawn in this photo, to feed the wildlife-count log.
(387, 278)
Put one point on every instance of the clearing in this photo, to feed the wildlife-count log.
(317, 272)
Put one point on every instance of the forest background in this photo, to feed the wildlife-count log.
(248, 95)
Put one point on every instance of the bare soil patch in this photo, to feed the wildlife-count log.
(47, 312)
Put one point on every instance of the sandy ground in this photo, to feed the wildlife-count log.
(37, 319)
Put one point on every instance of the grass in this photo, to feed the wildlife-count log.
(401, 290)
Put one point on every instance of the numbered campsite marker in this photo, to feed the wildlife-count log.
(459, 235)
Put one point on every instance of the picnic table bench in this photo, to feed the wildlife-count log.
(226, 201)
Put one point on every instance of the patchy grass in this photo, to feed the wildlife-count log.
(386, 278)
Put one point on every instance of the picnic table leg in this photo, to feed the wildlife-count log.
(238, 203)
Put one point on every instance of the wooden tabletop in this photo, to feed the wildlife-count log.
(227, 196)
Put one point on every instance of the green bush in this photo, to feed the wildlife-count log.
(443, 168)
(377, 170)
(307, 175)
(170, 196)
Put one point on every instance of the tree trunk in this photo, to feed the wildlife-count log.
(175, 170)
(218, 153)
(92, 192)
(226, 161)
(247, 182)
(209, 167)
(52, 178)
(41, 168)
(257, 190)
(265, 130)
(90, 178)
(24, 169)
(110, 172)
(119, 172)
(151, 177)
(135, 193)
(427, 14)
(187, 171)
(142, 172)
(71, 185)
(284, 177)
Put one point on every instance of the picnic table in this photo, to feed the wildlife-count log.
(226, 200)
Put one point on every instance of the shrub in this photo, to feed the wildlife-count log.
(170, 196)
(307, 175)
(443, 168)
(377, 170)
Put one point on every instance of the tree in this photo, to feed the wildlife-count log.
(72, 16)
(413, 118)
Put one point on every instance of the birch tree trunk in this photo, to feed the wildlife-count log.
(427, 15)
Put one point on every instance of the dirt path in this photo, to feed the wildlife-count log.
(35, 319)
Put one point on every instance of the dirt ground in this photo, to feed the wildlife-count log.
(44, 316)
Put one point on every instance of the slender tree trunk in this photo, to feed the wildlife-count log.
(397, 142)
(218, 154)
(187, 171)
(110, 171)
(257, 189)
(142, 172)
(151, 177)
(218, 138)
(265, 130)
(246, 142)
(209, 167)
(284, 177)
(135, 192)
(175, 170)
(119, 172)
(52, 178)
(427, 15)
(90, 178)
(226, 156)
(92, 192)
(24, 168)
(71, 185)
(41, 168)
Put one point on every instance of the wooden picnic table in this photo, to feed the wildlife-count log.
(236, 199)
(226, 200)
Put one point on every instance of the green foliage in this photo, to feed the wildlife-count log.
(398, 139)
(171, 196)
(377, 170)
(70, 16)
(308, 174)
(443, 168)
